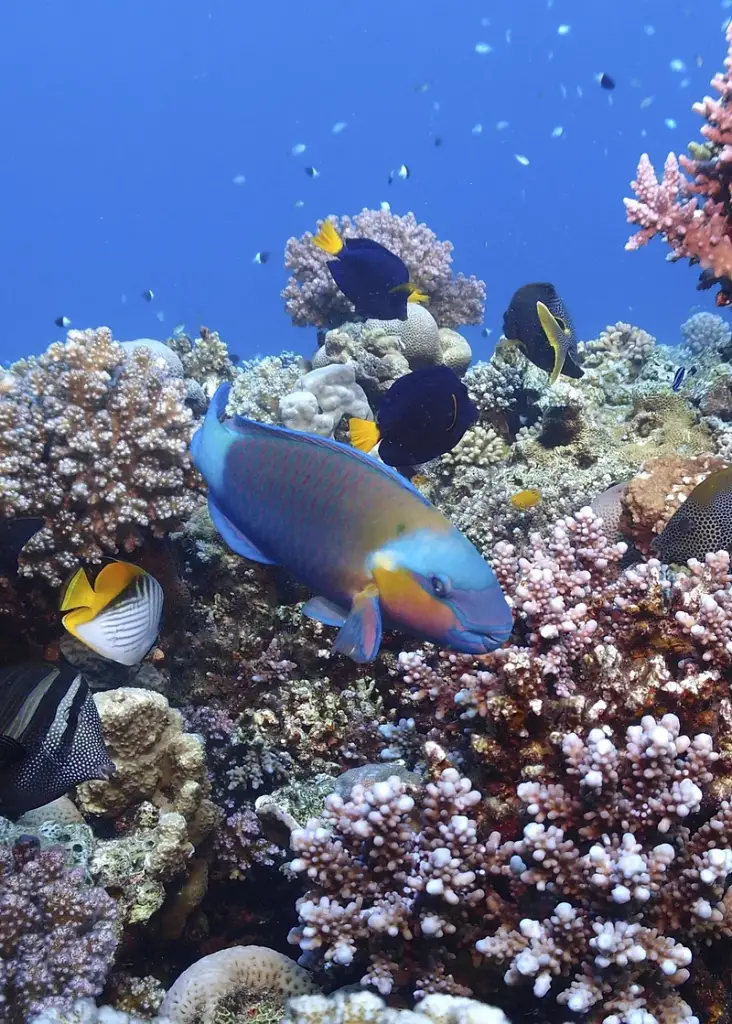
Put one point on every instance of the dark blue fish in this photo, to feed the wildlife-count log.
(678, 378)
(50, 735)
(423, 414)
(605, 81)
(372, 277)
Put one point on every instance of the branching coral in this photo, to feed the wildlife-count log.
(58, 937)
(95, 441)
(590, 904)
(311, 296)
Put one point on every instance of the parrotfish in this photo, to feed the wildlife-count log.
(537, 320)
(377, 553)
(119, 616)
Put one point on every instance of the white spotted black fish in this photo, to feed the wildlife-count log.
(50, 735)
(702, 524)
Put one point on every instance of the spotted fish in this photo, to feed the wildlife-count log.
(376, 552)
(50, 735)
(702, 524)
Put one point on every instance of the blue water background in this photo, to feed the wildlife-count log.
(124, 125)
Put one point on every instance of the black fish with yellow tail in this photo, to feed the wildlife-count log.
(538, 322)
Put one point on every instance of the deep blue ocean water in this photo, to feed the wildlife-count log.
(124, 125)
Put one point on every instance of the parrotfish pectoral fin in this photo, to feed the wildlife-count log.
(360, 635)
(364, 434)
(556, 338)
(234, 538)
(325, 611)
(328, 239)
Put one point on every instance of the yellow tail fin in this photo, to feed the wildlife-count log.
(556, 338)
(415, 295)
(328, 239)
(78, 592)
(364, 434)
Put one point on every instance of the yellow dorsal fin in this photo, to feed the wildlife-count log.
(328, 239)
(556, 338)
(112, 580)
(364, 434)
(78, 592)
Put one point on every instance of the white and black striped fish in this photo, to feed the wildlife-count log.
(50, 735)
(119, 617)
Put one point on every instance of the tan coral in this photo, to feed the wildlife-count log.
(419, 335)
(479, 446)
(95, 441)
(455, 351)
(652, 497)
(244, 972)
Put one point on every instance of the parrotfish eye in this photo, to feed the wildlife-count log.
(441, 586)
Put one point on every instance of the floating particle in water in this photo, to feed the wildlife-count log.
(160, 315)
(239, 179)
(523, 160)
(564, 30)
(384, 206)
(483, 48)
(646, 102)
(684, 83)
(649, 30)
(436, 106)
(563, 90)
(508, 35)
(557, 132)
(605, 81)
(485, 22)
(437, 141)
(312, 172)
(298, 148)
(123, 299)
(338, 127)
(677, 65)
(422, 86)
(669, 122)
(299, 203)
(500, 125)
(699, 59)
(261, 257)
(178, 331)
(477, 129)
(580, 91)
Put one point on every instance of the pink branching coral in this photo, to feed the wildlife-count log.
(95, 440)
(693, 217)
(58, 937)
(602, 904)
(312, 298)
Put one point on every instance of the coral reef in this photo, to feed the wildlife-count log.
(368, 1008)
(312, 298)
(322, 398)
(96, 442)
(58, 937)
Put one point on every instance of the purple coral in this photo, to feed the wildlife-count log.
(58, 936)
(312, 298)
(603, 903)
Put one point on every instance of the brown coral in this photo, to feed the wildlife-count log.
(95, 440)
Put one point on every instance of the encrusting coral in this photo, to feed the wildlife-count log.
(95, 441)
(368, 1008)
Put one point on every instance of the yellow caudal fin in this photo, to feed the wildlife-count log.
(364, 434)
(556, 338)
(415, 295)
(328, 239)
(78, 592)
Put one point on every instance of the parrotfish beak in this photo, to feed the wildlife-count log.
(484, 621)
(469, 642)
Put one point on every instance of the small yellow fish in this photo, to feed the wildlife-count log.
(528, 498)
(119, 616)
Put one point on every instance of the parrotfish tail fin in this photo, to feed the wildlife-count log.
(359, 637)
(556, 338)
(364, 434)
(328, 239)
(78, 592)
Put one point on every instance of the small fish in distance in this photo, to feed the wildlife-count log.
(63, 322)
(312, 172)
(401, 173)
(423, 414)
(372, 277)
(537, 320)
(605, 81)
(50, 735)
(148, 295)
(261, 257)
(375, 551)
(119, 616)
